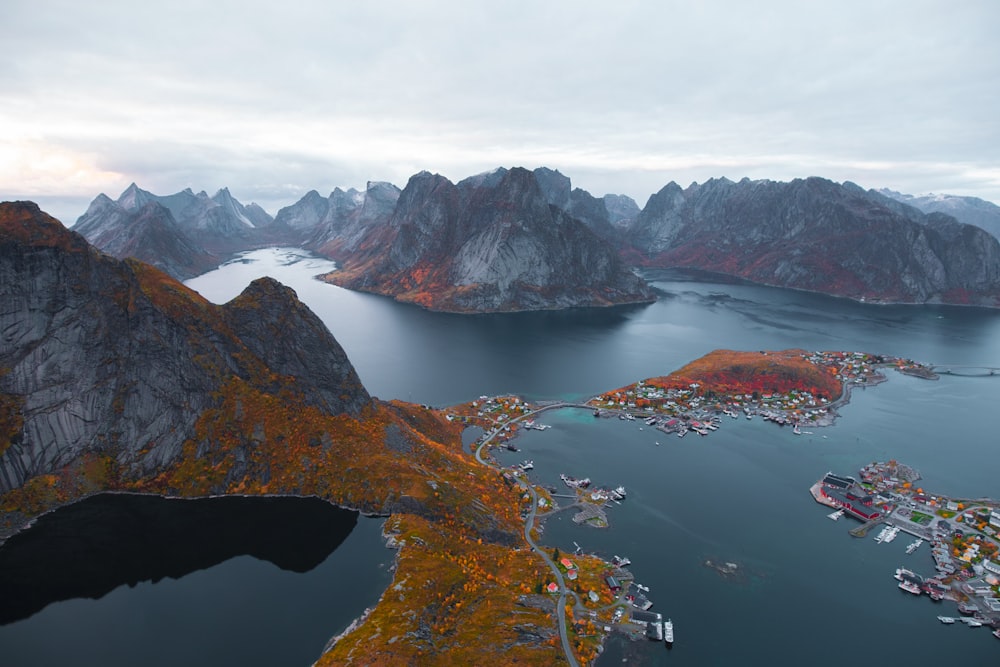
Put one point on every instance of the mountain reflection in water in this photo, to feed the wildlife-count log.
(88, 549)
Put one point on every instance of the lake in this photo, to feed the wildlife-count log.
(813, 593)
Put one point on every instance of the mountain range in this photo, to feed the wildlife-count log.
(513, 239)
(817, 235)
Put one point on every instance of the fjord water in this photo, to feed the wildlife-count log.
(813, 594)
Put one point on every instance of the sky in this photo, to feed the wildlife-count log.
(275, 99)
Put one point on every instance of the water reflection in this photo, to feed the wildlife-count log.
(88, 549)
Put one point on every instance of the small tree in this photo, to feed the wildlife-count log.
(555, 554)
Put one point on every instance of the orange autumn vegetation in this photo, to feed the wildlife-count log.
(464, 563)
(451, 602)
(728, 372)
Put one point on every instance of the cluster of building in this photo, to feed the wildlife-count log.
(846, 494)
(963, 536)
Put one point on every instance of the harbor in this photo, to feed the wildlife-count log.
(963, 534)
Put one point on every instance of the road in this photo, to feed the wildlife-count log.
(529, 524)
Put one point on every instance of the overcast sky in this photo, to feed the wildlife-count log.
(273, 99)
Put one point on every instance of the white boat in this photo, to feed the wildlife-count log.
(947, 620)
(891, 535)
(972, 622)
(913, 546)
(527, 465)
(835, 515)
(668, 631)
(910, 587)
(621, 561)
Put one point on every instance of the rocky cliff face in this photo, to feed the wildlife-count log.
(487, 244)
(184, 234)
(817, 235)
(103, 356)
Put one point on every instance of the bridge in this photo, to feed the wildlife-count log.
(964, 370)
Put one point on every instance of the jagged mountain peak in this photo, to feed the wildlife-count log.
(134, 197)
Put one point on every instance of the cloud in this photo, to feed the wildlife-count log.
(270, 99)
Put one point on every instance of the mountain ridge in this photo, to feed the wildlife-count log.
(820, 236)
(434, 253)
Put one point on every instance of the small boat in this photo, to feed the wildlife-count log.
(668, 631)
(996, 633)
(527, 465)
(620, 561)
(972, 622)
(967, 608)
(913, 546)
(947, 620)
(835, 515)
(910, 587)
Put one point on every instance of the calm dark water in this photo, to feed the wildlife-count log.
(140, 580)
(815, 596)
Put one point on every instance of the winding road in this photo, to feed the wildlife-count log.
(529, 525)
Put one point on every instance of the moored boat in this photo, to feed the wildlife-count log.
(947, 620)
(668, 631)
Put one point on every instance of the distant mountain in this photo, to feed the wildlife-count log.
(578, 203)
(622, 209)
(148, 233)
(349, 217)
(183, 234)
(817, 235)
(970, 210)
(490, 243)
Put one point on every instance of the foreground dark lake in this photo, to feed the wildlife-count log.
(816, 595)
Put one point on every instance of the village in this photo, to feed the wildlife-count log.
(794, 388)
(963, 536)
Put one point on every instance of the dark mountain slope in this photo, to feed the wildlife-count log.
(115, 357)
(817, 235)
(489, 244)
